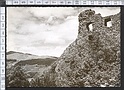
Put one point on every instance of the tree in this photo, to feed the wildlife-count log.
(17, 78)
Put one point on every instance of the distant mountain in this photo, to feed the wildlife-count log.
(19, 56)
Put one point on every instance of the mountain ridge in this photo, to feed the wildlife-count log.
(25, 56)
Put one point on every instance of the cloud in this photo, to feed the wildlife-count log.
(45, 30)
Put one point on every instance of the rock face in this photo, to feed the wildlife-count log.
(93, 59)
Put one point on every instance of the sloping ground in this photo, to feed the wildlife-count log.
(19, 56)
(93, 59)
(46, 61)
(32, 67)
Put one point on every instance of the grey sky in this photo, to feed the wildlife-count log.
(45, 30)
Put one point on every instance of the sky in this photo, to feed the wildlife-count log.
(45, 31)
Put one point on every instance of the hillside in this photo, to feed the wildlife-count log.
(29, 62)
(32, 65)
(41, 61)
(19, 56)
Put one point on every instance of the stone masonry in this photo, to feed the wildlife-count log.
(93, 59)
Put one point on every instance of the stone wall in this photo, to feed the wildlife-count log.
(93, 59)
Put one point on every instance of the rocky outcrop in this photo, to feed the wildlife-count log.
(93, 59)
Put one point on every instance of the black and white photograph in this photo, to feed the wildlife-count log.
(63, 47)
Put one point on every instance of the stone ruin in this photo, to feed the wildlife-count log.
(93, 59)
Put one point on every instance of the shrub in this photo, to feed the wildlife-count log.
(17, 78)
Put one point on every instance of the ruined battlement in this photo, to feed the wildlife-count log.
(90, 21)
(93, 59)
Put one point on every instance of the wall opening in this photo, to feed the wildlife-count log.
(108, 22)
(90, 26)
